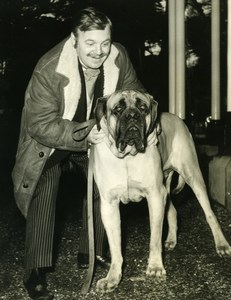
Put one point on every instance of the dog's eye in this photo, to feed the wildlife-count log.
(117, 109)
(143, 108)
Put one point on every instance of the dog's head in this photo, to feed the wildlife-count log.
(130, 116)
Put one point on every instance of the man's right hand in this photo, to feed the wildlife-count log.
(95, 136)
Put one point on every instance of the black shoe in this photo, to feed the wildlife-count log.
(83, 261)
(36, 285)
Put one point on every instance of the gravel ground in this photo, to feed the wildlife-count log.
(194, 271)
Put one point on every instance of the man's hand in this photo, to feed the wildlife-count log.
(95, 136)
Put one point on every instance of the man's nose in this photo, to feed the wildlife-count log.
(98, 49)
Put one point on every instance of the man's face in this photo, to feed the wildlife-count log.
(93, 47)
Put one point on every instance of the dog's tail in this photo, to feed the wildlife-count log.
(180, 185)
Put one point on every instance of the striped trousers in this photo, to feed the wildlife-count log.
(40, 223)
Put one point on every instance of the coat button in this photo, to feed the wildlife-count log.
(41, 154)
(25, 185)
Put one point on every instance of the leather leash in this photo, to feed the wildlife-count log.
(88, 280)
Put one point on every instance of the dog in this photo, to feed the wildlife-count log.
(136, 160)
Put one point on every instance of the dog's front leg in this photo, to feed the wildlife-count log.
(111, 220)
(156, 205)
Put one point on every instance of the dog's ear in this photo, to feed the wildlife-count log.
(100, 110)
(153, 112)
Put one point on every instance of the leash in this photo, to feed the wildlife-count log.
(88, 280)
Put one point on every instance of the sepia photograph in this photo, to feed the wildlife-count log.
(115, 152)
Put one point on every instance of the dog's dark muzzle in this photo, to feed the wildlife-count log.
(131, 130)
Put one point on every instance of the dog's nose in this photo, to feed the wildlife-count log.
(132, 115)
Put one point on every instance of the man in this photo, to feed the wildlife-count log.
(58, 124)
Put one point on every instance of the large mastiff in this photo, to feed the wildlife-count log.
(136, 161)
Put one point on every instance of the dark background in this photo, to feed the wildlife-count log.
(26, 33)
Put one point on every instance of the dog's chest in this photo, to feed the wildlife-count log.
(128, 190)
(131, 178)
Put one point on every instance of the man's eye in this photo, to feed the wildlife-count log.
(89, 43)
(107, 44)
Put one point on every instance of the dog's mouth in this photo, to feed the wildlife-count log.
(132, 136)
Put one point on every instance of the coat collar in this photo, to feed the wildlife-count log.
(68, 67)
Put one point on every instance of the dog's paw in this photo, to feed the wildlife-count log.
(105, 285)
(169, 245)
(157, 272)
(223, 250)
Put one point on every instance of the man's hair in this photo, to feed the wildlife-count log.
(90, 19)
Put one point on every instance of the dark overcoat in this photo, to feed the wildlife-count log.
(51, 100)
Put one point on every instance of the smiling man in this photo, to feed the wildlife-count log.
(93, 47)
(57, 125)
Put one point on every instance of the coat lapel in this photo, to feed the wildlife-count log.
(111, 72)
(68, 67)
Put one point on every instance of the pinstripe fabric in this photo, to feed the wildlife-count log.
(100, 234)
(41, 218)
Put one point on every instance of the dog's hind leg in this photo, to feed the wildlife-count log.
(171, 240)
(194, 179)
(171, 213)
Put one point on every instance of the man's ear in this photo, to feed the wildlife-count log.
(153, 112)
(100, 110)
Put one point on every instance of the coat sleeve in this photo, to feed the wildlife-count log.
(43, 107)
